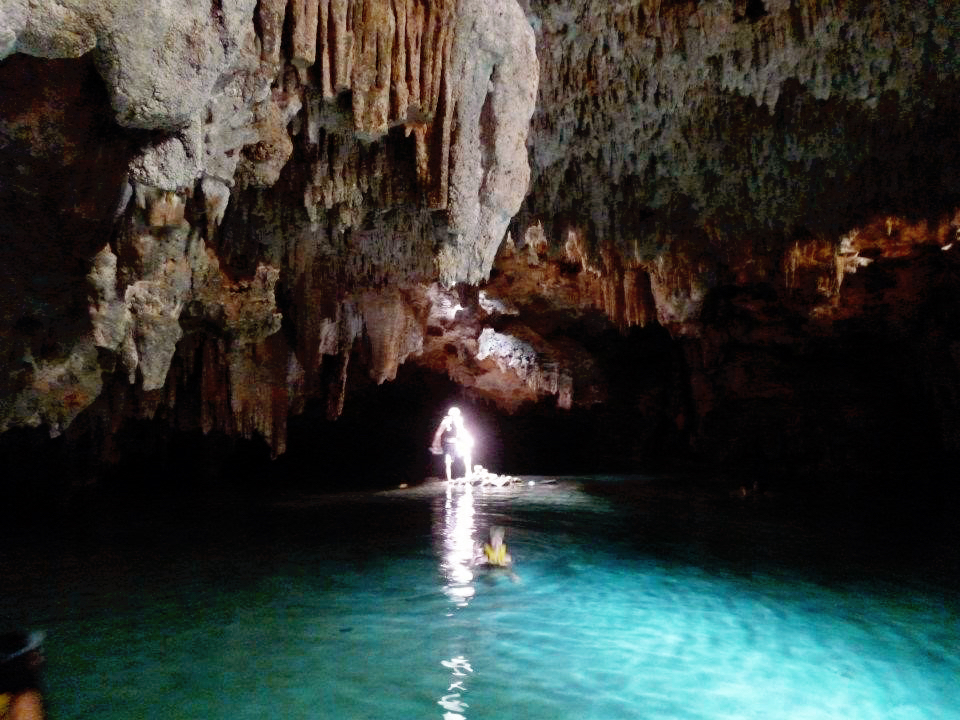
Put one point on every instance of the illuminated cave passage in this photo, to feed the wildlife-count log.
(691, 271)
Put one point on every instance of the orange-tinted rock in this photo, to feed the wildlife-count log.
(742, 187)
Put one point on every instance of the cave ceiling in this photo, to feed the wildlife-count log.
(218, 212)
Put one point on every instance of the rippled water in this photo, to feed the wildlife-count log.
(367, 606)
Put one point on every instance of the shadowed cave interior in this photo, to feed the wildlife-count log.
(690, 269)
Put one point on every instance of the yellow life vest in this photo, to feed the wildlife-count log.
(496, 557)
(6, 699)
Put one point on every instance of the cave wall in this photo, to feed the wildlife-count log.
(774, 183)
(719, 229)
(185, 170)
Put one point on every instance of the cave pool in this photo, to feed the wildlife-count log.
(629, 602)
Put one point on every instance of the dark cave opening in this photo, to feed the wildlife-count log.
(831, 440)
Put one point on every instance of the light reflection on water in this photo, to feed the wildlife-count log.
(457, 566)
(367, 606)
(458, 545)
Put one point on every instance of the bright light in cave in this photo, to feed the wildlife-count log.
(454, 441)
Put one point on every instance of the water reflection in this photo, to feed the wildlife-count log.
(452, 702)
(458, 547)
(458, 544)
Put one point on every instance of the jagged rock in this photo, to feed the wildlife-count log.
(227, 110)
(735, 185)
(161, 68)
(495, 80)
(507, 351)
(46, 29)
(263, 160)
(395, 330)
(171, 164)
(55, 392)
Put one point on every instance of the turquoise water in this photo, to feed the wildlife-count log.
(367, 606)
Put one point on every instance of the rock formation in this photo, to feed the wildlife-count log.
(218, 213)
(377, 145)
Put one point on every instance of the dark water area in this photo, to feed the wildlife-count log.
(634, 597)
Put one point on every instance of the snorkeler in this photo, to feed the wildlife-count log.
(495, 552)
(453, 441)
(494, 556)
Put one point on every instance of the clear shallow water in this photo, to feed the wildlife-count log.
(625, 605)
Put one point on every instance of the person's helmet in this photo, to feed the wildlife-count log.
(454, 411)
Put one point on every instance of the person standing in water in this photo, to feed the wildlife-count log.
(453, 441)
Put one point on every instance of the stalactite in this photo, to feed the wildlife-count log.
(303, 37)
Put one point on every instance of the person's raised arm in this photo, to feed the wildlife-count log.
(435, 445)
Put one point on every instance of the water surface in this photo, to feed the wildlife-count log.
(629, 601)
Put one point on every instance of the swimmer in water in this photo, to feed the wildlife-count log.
(494, 555)
(495, 552)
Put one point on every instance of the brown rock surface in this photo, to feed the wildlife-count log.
(731, 224)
